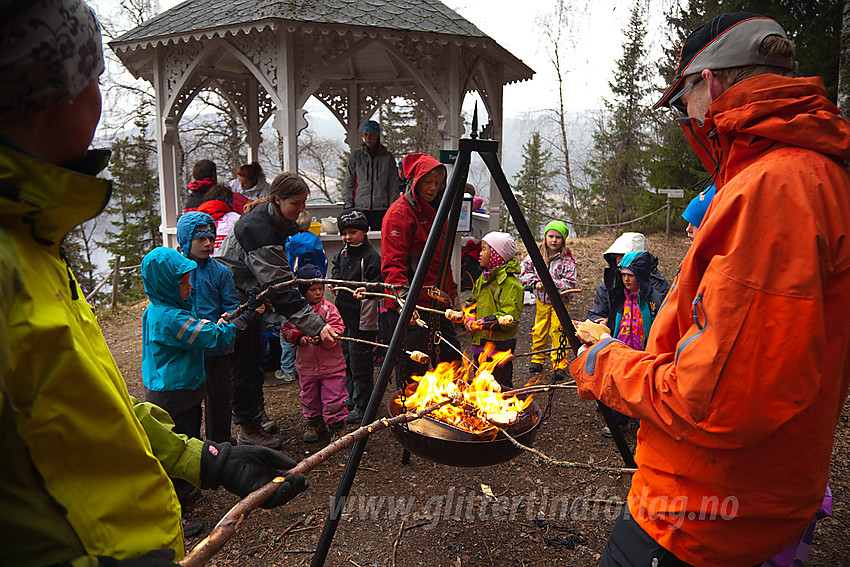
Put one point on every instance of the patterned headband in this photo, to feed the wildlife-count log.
(50, 50)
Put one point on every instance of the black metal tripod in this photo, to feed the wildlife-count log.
(449, 210)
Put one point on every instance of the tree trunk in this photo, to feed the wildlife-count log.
(844, 64)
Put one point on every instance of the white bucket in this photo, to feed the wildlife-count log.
(329, 225)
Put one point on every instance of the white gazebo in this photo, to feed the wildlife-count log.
(267, 57)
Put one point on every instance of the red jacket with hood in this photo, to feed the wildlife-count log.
(747, 365)
(404, 231)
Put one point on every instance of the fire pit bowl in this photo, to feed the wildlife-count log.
(442, 443)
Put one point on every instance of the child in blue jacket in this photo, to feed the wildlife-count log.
(214, 295)
(174, 339)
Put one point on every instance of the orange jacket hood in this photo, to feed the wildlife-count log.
(762, 111)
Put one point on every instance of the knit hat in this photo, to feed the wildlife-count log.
(728, 40)
(372, 126)
(502, 245)
(307, 272)
(477, 203)
(352, 219)
(49, 52)
(696, 209)
(559, 226)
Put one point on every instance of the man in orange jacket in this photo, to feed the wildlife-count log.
(747, 365)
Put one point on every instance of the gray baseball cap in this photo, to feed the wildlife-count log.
(728, 40)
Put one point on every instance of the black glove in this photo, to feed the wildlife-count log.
(156, 558)
(245, 468)
(249, 310)
(491, 323)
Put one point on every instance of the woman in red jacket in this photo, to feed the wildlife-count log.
(403, 234)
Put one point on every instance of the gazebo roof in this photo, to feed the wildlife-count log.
(194, 17)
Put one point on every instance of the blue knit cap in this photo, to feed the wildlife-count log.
(372, 126)
(307, 272)
(696, 209)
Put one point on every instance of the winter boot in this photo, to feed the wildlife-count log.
(268, 423)
(355, 416)
(252, 433)
(337, 430)
(313, 429)
(191, 526)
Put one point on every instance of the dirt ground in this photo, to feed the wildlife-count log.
(431, 514)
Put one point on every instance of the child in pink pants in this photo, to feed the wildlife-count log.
(320, 365)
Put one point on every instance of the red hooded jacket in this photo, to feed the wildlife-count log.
(404, 231)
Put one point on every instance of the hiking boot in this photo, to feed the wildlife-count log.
(354, 416)
(252, 433)
(559, 375)
(192, 498)
(268, 423)
(313, 429)
(535, 368)
(191, 526)
(286, 377)
(337, 430)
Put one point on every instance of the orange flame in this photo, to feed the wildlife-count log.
(482, 396)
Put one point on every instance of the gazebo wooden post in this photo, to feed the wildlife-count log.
(285, 117)
(252, 136)
(166, 133)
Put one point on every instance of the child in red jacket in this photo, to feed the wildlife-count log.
(320, 365)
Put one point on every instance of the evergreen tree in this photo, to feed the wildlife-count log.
(532, 184)
(407, 127)
(78, 248)
(617, 167)
(134, 207)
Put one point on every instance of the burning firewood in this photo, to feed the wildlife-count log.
(226, 527)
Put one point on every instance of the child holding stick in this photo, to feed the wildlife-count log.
(320, 364)
(495, 305)
(357, 261)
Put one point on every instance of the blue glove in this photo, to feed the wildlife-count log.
(156, 558)
(245, 468)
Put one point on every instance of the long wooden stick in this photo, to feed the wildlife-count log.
(538, 388)
(415, 355)
(228, 524)
(443, 312)
(545, 350)
(567, 464)
(296, 281)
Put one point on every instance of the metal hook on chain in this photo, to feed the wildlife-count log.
(438, 337)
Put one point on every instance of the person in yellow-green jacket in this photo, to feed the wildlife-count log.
(86, 468)
(495, 305)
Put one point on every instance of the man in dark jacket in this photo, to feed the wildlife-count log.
(371, 181)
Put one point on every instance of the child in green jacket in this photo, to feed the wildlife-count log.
(495, 305)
